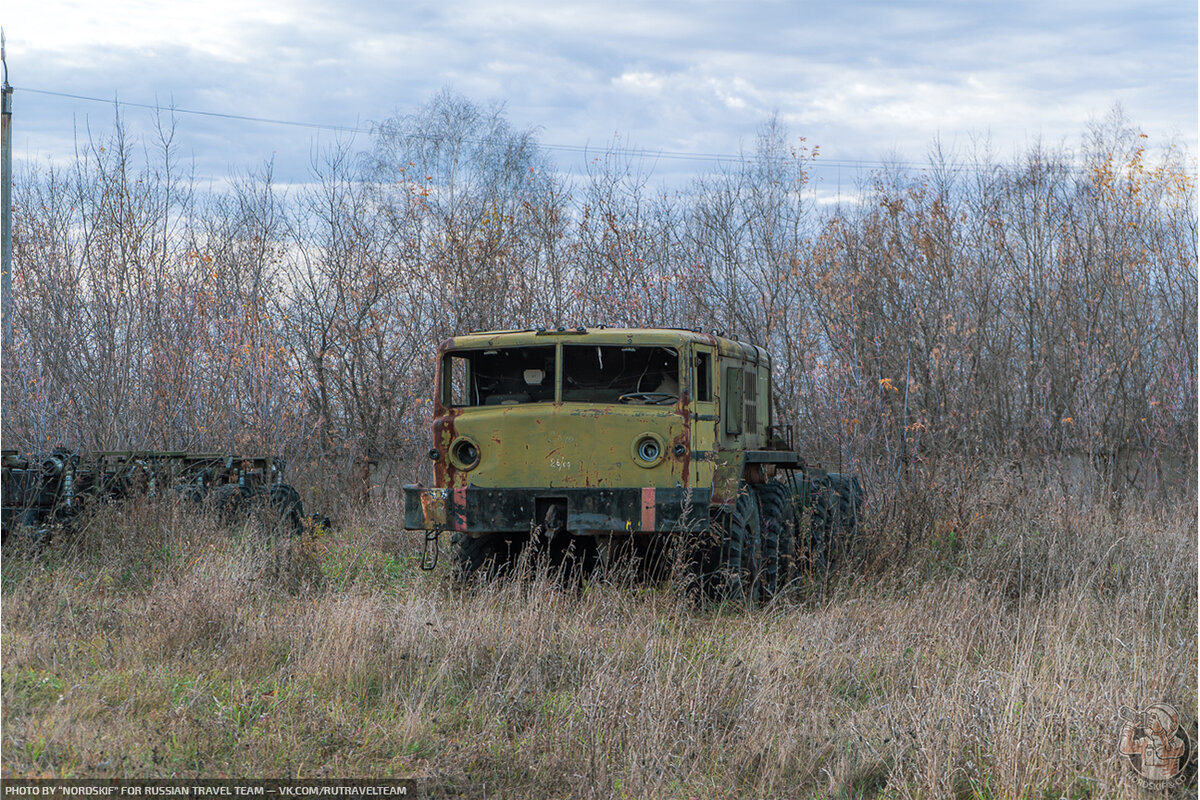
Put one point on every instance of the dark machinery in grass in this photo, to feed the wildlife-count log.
(635, 439)
(48, 490)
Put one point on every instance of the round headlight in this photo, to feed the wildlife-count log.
(464, 454)
(648, 450)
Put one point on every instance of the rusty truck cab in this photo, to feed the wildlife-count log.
(595, 430)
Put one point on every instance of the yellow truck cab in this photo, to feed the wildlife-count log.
(573, 434)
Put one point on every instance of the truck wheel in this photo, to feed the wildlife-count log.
(845, 497)
(484, 558)
(849, 497)
(286, 502)
(778, 536)
(821, 541)
(271, 510)
(741, 573)
(232, 502)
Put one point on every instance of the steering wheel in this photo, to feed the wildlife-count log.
(653, 398)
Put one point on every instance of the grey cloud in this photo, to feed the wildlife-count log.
(858, 78)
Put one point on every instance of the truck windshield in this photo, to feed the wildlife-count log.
(620, 374)
(500, 376)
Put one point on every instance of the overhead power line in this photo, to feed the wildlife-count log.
(634, 152)
(585, 150)
(176, 110)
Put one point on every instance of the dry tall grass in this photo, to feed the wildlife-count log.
(984, 653)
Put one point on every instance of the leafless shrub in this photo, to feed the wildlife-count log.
(1043, 309)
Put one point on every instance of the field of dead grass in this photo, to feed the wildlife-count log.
(976, 649)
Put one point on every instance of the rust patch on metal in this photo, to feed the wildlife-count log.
(459, 509)
(434, 509)
(444, 432)
(684, 439)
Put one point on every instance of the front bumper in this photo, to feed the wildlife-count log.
(476, 509)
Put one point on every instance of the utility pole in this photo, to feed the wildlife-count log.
(6, 198)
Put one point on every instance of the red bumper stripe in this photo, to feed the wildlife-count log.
(648, 508)
(458, 515)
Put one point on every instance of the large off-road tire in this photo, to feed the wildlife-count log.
(232, 502)
(848, 500)
(286, 502)
(837, 505)
(822, 547)
(740, 577)
(273, 510)
(191, 492)
(484, 558)
(778, 536)
(29, 531)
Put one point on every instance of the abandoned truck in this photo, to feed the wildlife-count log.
(570, 438)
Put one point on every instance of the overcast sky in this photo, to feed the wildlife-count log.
(863, 80)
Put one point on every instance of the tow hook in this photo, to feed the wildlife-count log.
(553, 522)
(431, 536)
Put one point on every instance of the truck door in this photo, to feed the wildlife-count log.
(705, 418)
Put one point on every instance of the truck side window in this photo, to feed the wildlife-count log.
(704, 377)
(732, 387)
(456, 381)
